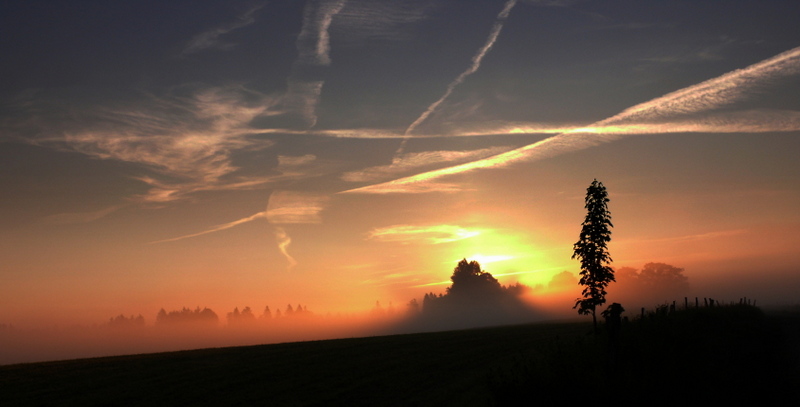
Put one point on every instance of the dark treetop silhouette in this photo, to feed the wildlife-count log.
(592, 251)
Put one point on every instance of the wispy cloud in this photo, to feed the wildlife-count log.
(302, 98)
(676, 106)
(211, 39)
(476, 63)
(304, 86)
(313, 42)
(386, 21)
(431, 234)
(287, 207)
(284, 241)
(189, 139)
(185, 142)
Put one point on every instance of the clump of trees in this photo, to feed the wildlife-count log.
(654, 282)
(474, 295)
(236, 317)
(186, 315)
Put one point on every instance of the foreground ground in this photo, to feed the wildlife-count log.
(739, 354)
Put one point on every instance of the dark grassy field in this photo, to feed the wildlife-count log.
(702, 355)
(447, 368)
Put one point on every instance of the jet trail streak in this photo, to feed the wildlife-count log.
(476, 63)
(704, 96)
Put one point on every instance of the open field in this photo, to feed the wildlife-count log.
(722, 353)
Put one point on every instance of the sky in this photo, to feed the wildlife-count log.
(336, 153)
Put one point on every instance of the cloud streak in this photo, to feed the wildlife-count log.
(224, 226)
(385, 21)
(434, 234)
(712, 94)
(210, 39)
(304, 86)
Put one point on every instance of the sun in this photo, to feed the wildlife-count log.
(509, 256)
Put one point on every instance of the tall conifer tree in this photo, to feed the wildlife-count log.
(592, 251)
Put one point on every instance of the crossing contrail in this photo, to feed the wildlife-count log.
(476, 63)
(704, 96)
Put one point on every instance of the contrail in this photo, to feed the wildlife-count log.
(476, 63)
(217, 228)
(704, 96)
(713, 93)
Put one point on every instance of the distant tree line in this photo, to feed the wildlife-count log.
(186, 315)
(246, 315)
(654, 282)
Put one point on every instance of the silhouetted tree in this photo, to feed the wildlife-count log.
(267, 314)
(592, 251)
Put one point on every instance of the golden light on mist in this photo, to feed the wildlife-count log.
(507, 255)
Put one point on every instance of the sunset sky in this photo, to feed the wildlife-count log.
(338, 153)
